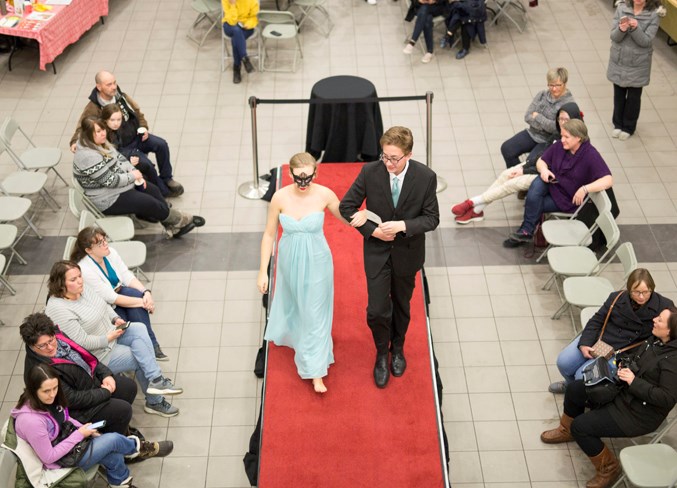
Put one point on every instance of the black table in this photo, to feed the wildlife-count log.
(349, 131)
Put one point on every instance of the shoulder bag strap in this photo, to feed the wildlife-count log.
(606, 319)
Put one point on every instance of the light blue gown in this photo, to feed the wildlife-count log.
(303, 300)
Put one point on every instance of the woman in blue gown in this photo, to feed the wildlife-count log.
(303, 302)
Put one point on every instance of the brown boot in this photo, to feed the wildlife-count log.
(608, 469)
(561, 433)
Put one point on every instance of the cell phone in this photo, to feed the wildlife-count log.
(275, 33)
(123, 326)
(552, 179)
(98, 425)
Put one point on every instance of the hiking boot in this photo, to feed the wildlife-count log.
(607, 467)
(248, 67)
(237, 75)
(151, 449)
(561, 433)
(517, 239)
(175, 188)
(178, 223)
(558, 387)
(163, 409)
(125, 484)
(470, 216)
(159, 355)
(163, 386)
(462, 208)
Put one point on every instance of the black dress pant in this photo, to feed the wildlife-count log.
(388, 308)
(627, 102)
(117, 412)
(588, 427)
(147, 204)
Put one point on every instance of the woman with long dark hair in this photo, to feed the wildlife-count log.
(42, 414)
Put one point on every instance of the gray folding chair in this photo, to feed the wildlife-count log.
(279, 27)
(321, 17)
(133, 254)
(118, 228)
(649, 466)
(3, 277)
(209, 11)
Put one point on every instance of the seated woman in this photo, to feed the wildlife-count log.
(426, 11)
(116, 188)
(90, 322)
(470, 16)
(568, 170)
(649, 377)
(41, 418)
(630, 321)
(511, 180)
(124, 137)
(92, 390)
(104, 272)
(239, 21)
(540, 116)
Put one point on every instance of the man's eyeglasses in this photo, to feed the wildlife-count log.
(100, 243)
(391, 160)
(640, 293)
(45, 345)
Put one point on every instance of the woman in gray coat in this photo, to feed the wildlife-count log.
(634, 27)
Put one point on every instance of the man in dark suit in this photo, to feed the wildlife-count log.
(402, 192)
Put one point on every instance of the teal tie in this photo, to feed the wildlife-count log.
(396, 190)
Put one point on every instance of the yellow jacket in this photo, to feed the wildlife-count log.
(243, 11)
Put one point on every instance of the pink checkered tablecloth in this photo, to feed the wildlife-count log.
(63, 29)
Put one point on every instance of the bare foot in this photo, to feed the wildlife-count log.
(318, 384)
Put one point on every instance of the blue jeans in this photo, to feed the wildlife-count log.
(424, 23)
(159, 146)
(537, 203)
(134, 352)
(238, 39)
(517, 145)
(571, 362)
(136, 314)
(109, 451)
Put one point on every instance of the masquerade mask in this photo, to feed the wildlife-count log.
(302, 180)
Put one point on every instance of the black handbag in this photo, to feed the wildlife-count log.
(601, 386)
(76, 454)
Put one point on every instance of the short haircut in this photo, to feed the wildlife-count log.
(56, 285)
(555, 74)
(36, 325)
(576, 128)
(638, 276)
(400, 137)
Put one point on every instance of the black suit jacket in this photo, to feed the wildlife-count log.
(417, 206)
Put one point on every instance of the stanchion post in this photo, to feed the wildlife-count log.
(441, 182)
(255, 189)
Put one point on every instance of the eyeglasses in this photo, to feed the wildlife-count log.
(100, 243)
(563, 119)
(391, 160)
(640, 293)
(555, 85)
(45, 345)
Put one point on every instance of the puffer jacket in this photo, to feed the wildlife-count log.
(631, 51)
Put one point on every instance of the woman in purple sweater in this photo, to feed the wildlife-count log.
(40, 415)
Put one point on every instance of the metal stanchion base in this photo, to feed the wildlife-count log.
(251, 191)
(441, 184)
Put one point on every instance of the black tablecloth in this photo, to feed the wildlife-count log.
(344, 131)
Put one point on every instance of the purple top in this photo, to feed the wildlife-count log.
(572, 171)
(39, 429)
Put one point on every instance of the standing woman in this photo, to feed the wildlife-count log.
(303, 305)
(634, 27)
(239, 21)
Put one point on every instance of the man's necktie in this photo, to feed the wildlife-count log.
(396, 190)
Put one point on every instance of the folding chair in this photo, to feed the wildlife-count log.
(573, 232)
(22, 183)
(34, 158)
(15, 208)
(277, 26)
(586, 314)
(3, 278)
(209, 10)
(518, 10)
(133, 254)
(307, 8)
(592, 291)
(118, 228)
(649, 466)
(227, 56)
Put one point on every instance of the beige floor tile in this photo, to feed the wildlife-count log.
(200, 335)
(207, 290)
(492, 406)
(466, 468)
(204, 312)
(242, 311)
(443, 330)
(193, 359)
(464, 285)
(472, 306)
(498, 436)
(237, 358)
(197, 385)
(509, 305)
(530, 432)
(476, 329)
(550, 465)
(482, 354)
(200, 412)
(516, 329)
(240, 334)
(170, 312)
(456, 408)
(486, 379)
(535, 406)
(235, 411)
(504, 466)
(449, 354)
(461, 436)
(178, 472)
(453, 380)
(226, 471)
(228, 441)
(528, 378)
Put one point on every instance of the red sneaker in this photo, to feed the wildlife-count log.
(470, 216)
(462, 208)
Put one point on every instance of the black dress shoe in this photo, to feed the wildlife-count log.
(381, 373)
(398, 364)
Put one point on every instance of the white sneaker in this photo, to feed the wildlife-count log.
(408, 49)
(615, 133)
(371, 2)
(427, 57)
(623, 136)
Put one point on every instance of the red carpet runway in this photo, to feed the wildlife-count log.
(355, 435)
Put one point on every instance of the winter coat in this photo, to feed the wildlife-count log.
(82, 388)
(625, 326)
(630, 57)
(641, 407)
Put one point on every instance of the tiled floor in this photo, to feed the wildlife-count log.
(494, 339)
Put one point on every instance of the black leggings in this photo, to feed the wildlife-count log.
(588, 428)
(117, 412)
(147, 204)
